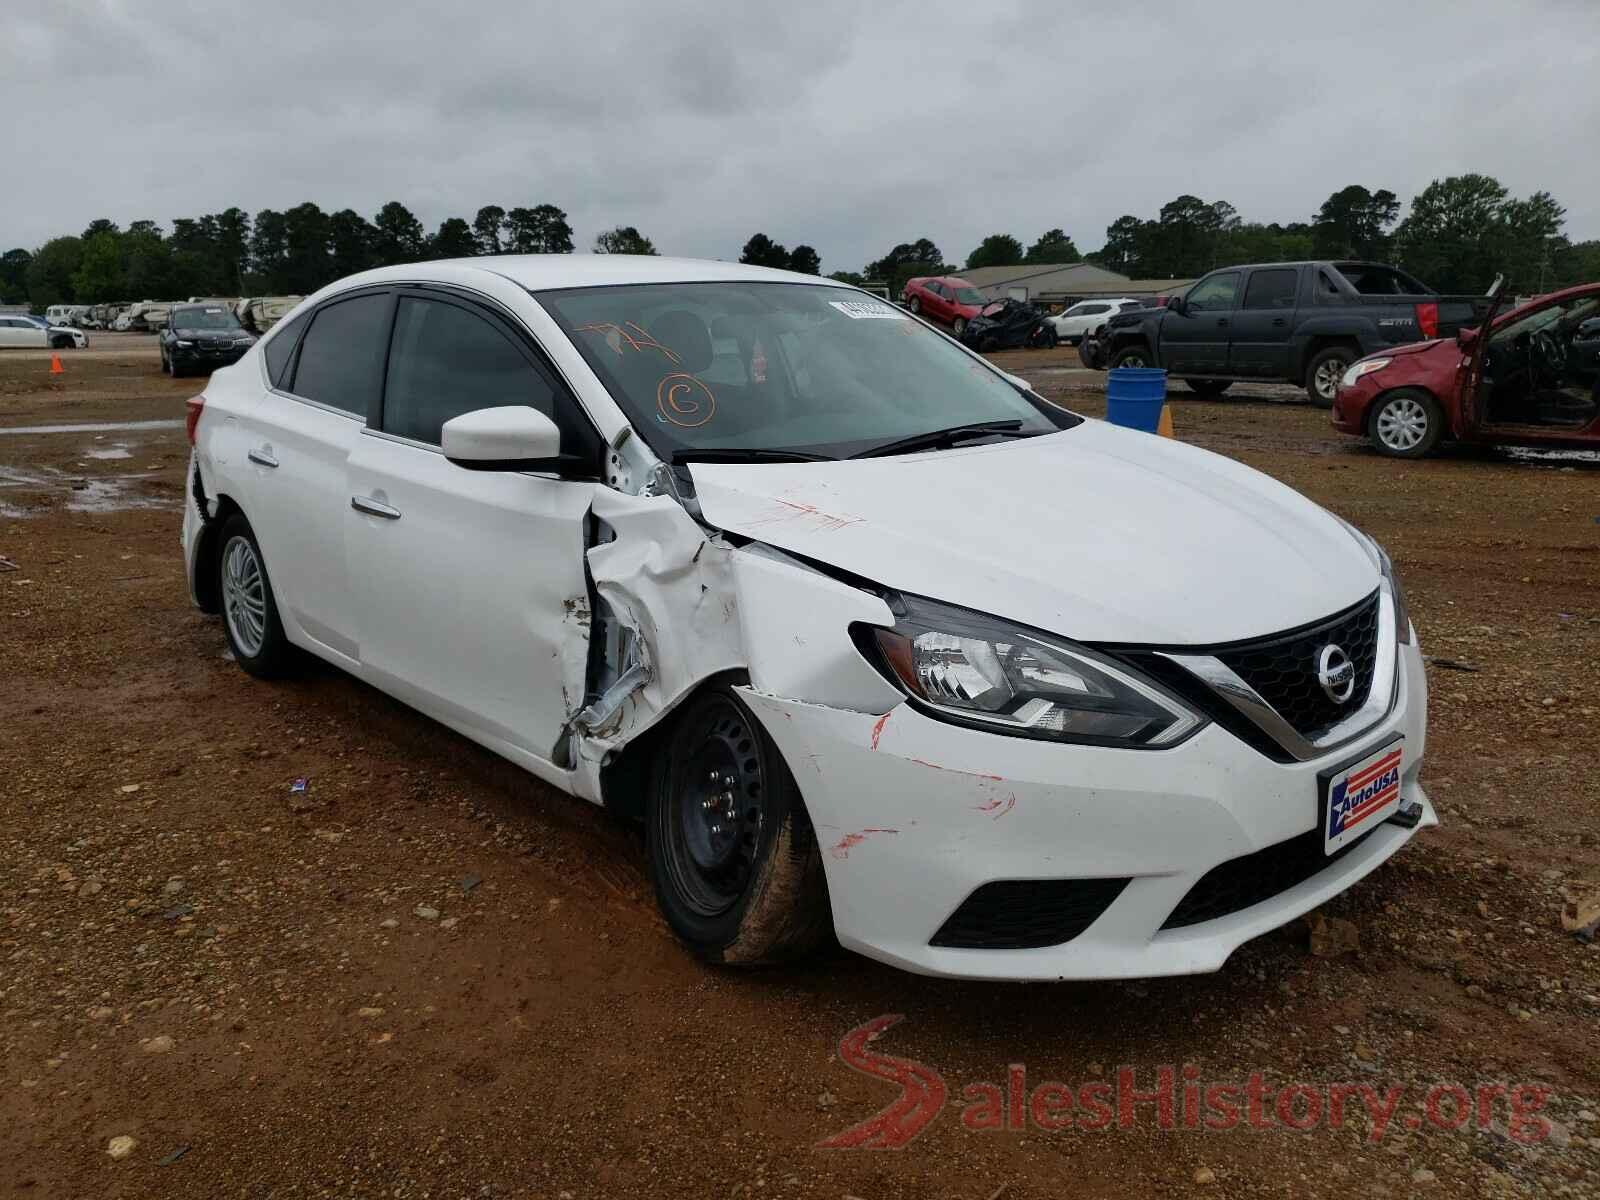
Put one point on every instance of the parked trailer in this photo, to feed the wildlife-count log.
(260, 313)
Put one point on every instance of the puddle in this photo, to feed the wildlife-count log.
(113, 494)
(1554, 458)
(120, 450)
(94, 427)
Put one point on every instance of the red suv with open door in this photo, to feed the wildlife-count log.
(947, 299)
(1533, 380)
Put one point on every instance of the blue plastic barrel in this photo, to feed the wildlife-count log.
(1135, 397)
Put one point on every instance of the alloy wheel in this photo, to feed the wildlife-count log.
(1326, 380)
(1402, 424)
(244, 596)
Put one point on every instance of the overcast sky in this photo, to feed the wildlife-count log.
(850, 126)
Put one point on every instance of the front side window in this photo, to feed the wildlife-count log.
(1271, 289)
(447, 360)
(341, 357)
(1215, 291)
(781, 367)
(969, 295)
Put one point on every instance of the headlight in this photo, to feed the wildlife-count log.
(981, 671)
(183, 343)
(1365, 366)
(1402, 614)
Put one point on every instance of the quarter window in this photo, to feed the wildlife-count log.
(280, 348)
(341, 359)
(1271, 289)
(1215, 291)
(447, 361)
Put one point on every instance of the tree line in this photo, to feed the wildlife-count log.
(292, 252)
(1458, 234)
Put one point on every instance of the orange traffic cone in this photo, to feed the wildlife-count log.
(55, 365)
(1164, 428)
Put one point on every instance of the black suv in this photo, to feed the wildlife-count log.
(201, 338)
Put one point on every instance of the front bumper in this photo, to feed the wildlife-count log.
(1350, 404)
(913, 815)
(212, 357)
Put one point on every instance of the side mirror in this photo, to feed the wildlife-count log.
(1178, 305)
(1465, 336)
(513, 438)
(1495, 288)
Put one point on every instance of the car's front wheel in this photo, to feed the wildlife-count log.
(737, 870)
(1209, 388)
(1132, 356)
(61, 342)
(1406, 424)
(249, 610)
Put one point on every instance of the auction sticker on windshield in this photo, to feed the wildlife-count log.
(867, 310)
(1361, 797)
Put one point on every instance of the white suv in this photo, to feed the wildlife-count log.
(871, 639)
(16, 330)
(1087, 316)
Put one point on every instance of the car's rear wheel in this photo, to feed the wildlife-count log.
(1132, 356)
(1323, 372)
(735, 861)
(1406, 424)
(249, 611)
(915, 305)
(959, 326)
(1209, 388)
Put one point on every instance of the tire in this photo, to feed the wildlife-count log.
(1131, 356)
(1405, 424)
(915, 305)
(1209, 388)
(958, 327)
(249, 611)
(1323, 371)
(61, 342)
(742, 890)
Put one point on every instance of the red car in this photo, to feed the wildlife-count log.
(1533, 381)
(944, 298)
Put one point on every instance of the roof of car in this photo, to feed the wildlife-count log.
(538, 272)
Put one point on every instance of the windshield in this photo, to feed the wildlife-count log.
(781, 367)
(969, 296)
(210, 317)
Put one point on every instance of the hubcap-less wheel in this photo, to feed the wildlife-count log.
(1402, 424)
(1131, 360)
(714, 825)
(244, 595)
(1326, 379)
(960, 326)
(916, 304)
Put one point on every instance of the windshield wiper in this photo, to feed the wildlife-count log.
(734, 454)
(934, 439)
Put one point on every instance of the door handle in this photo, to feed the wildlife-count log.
(376, 508)
(1222, 321)
(262, 458)
(1279, 321)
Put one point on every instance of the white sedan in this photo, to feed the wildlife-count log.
(1089, 315)
(35, 333)
(872, 640)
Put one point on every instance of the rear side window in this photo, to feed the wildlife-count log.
(447, 360)
(280, 348)
(1271, 289)
(341, 357)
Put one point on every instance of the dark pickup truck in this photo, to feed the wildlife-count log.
(1302, 322)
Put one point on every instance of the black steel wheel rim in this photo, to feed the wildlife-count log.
(713, 810)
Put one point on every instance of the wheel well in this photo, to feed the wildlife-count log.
(1318, 344)
(205, 561)
(625, 778)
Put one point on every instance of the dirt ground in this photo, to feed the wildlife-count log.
(429, 975)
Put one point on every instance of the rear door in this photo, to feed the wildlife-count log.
(328, 368)
(470, 585)
(1195, 340)
(14, 331)
(1263, 324)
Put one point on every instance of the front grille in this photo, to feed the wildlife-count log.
(1252, 879)
(1024, 914)
(1283, 669)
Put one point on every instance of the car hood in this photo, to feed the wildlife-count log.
(1409, 348)
(211, 335)
(1096, 533)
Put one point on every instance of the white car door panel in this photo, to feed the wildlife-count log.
(469, 586)
(466, 584)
